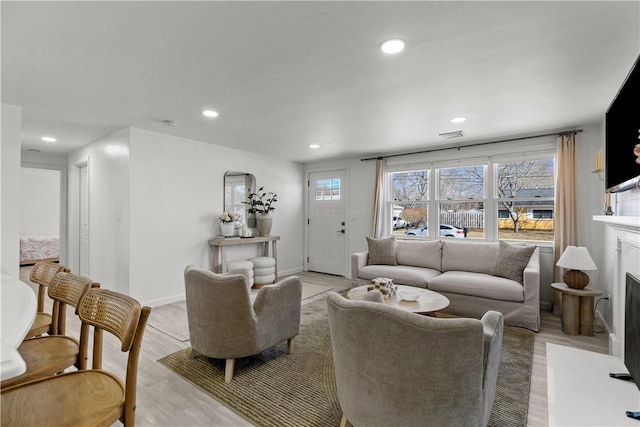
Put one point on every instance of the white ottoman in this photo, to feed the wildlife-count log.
(264, 270)
(242, 265)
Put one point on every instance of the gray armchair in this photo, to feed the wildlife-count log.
(394, 367)
(225, 324)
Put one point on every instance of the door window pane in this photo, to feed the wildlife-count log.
(328, 189)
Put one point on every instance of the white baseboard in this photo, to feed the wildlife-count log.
(290, 271)
(163, 301)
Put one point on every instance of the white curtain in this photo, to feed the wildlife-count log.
(378, 204)
(566, 215)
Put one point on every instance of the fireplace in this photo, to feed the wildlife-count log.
(621, 253)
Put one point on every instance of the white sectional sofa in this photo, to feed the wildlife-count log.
(475, 276)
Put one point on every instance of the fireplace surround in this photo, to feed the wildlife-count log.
(621, 255)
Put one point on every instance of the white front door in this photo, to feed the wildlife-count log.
(327, 222)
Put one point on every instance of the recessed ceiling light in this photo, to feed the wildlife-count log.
(314, 146)
(210, 113)
(48, 139)
(33, 150)
(392, 46)
(458, 120)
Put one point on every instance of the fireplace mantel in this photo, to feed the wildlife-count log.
(622, 252)
(626, 222)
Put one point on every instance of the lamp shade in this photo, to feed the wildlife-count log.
(576, 258)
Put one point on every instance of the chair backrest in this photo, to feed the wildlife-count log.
(219, 311)
(122, 316)
(66, 288)
(393, 367)
(42, 273)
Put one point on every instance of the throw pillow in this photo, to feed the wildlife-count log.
(382, 251)
(511, 260)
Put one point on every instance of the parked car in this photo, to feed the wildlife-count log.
(398, 223)
(445, 231)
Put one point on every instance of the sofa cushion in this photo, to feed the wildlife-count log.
(420, 253)
(468, 256)
(511, 260)
(478, 285)
(401, 274)
(382, 251)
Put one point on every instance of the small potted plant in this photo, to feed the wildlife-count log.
(227, 222)
(262, 203)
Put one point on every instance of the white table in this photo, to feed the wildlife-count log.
(18, 305)
(427, 302)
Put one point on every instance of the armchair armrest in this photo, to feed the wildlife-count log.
(358, 260)
(493, 327)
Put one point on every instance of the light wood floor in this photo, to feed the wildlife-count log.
(165, 399)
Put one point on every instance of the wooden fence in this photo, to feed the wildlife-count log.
(463, 219)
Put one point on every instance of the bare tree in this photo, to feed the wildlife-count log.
(410, 186)
(517, 178)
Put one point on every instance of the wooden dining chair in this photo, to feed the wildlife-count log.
(52, 354)
(41, 274)
(90, 396)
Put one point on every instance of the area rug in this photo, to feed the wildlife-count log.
(276, 389)
(171, 319)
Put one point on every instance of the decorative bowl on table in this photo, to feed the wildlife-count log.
(409, 295)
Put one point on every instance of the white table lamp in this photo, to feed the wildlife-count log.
(575, 259)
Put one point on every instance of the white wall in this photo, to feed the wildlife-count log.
(39, 202)
(176, 196)
(11, 124)
(108, 166)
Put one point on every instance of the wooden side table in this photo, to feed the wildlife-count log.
(577, 309)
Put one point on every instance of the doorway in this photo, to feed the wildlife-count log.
(326, 223)
(41, 233)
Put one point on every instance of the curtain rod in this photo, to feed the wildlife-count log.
(566, 132)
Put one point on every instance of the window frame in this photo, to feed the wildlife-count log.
(490, 197)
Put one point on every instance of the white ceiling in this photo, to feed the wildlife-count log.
(284, 75)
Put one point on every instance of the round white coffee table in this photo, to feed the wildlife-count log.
(427, 302)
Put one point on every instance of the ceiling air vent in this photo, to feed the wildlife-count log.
(451, 135)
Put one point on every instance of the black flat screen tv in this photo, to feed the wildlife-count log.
(622, 124)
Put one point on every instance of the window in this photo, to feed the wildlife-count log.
(541, 214)
(409, 197)
(524, 196)
(462, 200)
(328, 189)
(502, 198)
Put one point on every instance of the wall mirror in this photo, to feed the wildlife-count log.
(236, 187)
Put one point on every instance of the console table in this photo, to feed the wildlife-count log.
(219, 249)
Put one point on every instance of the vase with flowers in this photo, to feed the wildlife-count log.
(262, 203)
(227, 223)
